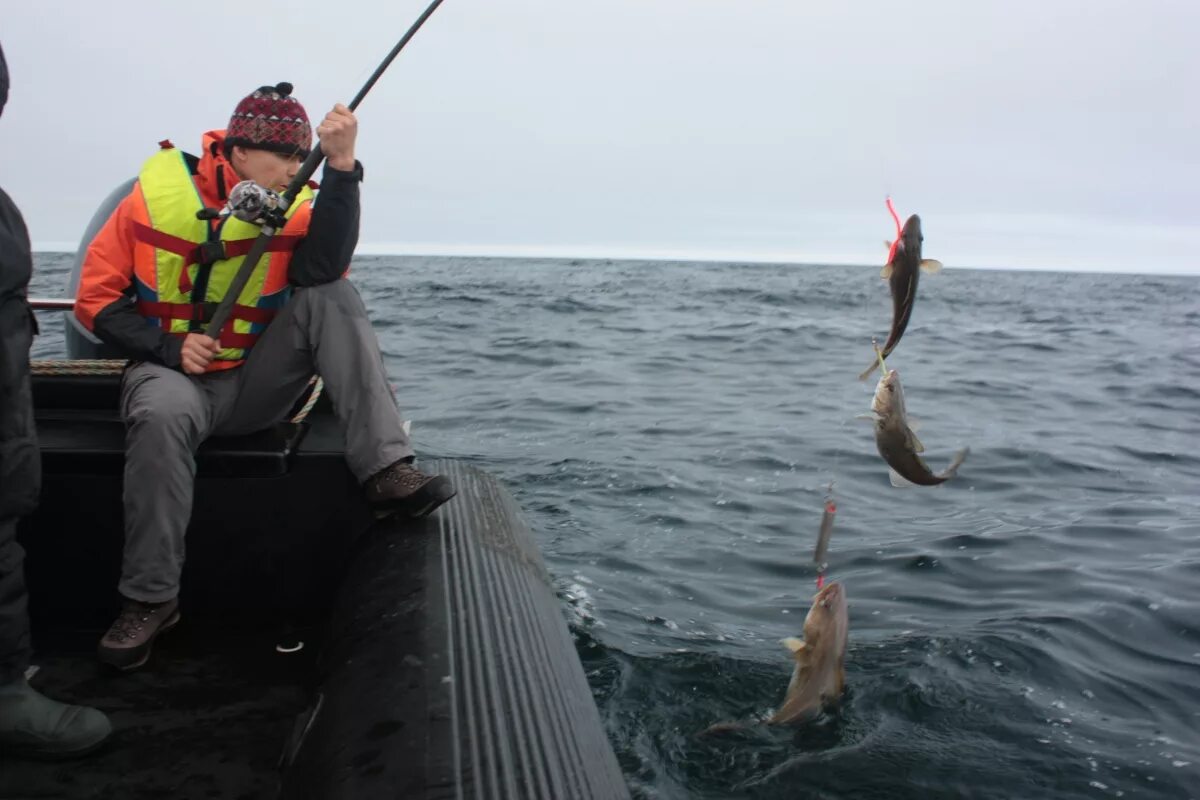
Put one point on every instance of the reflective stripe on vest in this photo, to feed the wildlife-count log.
(176, 235)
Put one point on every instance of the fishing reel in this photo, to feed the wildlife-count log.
(255, 204)
(251, 203)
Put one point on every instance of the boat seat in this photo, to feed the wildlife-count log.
(80, 432)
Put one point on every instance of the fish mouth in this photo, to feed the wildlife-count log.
(831, 595)
(912, 237)
(912, 227)
(829, 614)
(885, 391)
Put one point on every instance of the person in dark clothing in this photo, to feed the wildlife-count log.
(31, 724)
(148, 284)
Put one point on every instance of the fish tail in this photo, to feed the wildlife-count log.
(959, 458)
(724, 727)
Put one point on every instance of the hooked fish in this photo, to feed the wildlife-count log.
(820, 674)
(896, 440)
(902, 271)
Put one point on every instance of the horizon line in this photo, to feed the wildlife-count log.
(601, 253)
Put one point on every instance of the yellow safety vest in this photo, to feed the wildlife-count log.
(183, 265)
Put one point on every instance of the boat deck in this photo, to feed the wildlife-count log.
(209, 718)
(437, 663)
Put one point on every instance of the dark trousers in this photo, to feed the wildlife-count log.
(20, 481)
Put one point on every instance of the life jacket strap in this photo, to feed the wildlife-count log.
(191, 252)
(206, 253)
(227, 338)
(209, 253)
(201, 312)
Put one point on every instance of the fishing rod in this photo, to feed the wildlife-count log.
(273, 218)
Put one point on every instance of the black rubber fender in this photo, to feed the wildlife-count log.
(449, 670)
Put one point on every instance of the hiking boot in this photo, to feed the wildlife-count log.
(35, 726)
(126, 646)
(404, 489)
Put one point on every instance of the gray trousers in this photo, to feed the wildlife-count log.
(322, 329)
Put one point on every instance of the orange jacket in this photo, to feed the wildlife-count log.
(121, 262)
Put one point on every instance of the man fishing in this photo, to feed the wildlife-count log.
(151, 280)
(31, 724)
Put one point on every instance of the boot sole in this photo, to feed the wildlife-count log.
(34, 754)
(171, 622)
(433, 504)
(440, 491)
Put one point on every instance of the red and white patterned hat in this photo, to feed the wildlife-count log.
(269, 118)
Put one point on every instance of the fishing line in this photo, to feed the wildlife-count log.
(825, 533)
(879, 354)
(821, 552)
(823, 536)
(827, 515)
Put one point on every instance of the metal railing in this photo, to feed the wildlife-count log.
(52, 303)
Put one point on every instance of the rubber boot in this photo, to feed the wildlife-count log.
(34, 726)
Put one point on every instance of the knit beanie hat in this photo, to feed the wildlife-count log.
(269, 118)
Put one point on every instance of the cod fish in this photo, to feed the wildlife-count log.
(820, 674)
(897, 442)
(902, 271)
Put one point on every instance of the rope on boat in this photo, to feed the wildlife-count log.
(317, 385)
(78, 366)
(114, 366)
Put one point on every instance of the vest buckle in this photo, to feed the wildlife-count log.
(209, 253)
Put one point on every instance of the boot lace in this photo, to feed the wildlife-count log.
(406, 476)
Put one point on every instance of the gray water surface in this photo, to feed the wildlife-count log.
(1029, 629)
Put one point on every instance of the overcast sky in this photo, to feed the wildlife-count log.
(1027, 133)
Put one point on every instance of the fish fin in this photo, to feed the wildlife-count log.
(886, 272)
(724, 727)
(957, 462)
(793, 644)
(914, 423)
(407, 427)
(931, 265)
(914, 441)
(887, 243)
(868, 417)
(802, 701)
(898, 480)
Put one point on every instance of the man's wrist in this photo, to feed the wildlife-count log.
(333, 173)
